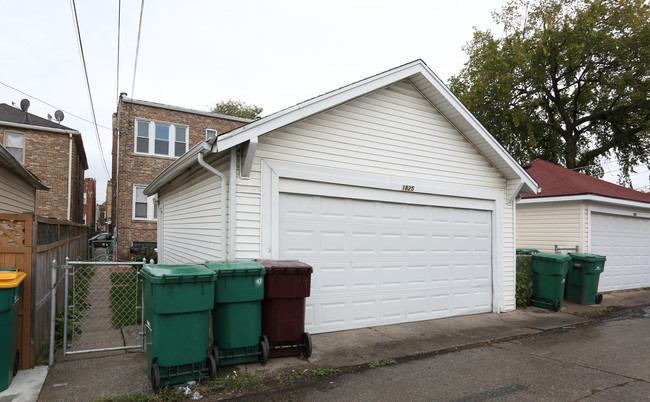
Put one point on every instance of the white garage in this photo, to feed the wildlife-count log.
(397, 197)
(598, 217)
(625, 240)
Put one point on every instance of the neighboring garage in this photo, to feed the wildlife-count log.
(391, 190)
(573, 209)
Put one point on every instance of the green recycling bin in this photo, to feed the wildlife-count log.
(11, 289)
(549, 278)
(583, 276)
(237, 313)
(178, 300)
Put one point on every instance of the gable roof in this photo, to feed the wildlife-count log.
(7, 161)
(14, 117)
(557, 181)
(417, 72)
(12, 114)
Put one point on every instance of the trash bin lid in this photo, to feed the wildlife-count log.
(549, 257)
(236, 268)
(285, 266)
(11, 279)
(588, 257)
(185, 272)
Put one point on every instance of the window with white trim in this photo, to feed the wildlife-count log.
(210, 133)
(160, 138)
(84, 219)
(15, 144)
(144, 208)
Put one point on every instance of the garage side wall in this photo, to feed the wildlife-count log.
(541, 226)
(191, 212)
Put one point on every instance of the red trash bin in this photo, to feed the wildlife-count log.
(286, 285)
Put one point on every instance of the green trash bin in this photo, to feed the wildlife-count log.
(178, 300)
(11, 289)
(583, 276)
(237, 313)
(549, 278)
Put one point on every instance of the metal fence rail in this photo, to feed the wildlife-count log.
(103, 307)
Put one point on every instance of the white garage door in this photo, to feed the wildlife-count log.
(625, 241)
(378, 263)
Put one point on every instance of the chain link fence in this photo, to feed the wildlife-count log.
(104, 306)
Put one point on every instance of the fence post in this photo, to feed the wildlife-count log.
(52, 313)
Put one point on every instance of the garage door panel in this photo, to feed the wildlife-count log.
(379, 263)
(625, 241)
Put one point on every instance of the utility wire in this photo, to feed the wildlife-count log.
(119, 22)
(90, 96)
(51, 105)
(137, 50)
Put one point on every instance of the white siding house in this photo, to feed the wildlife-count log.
(17, 185)
(391, 190)
(574, 209)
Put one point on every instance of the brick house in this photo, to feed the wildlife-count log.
(148, 137)
(52, 152)
(90, 201)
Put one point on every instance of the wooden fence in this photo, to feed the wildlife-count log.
(29, 243)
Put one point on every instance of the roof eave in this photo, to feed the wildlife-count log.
(20, 170)
(586, 197)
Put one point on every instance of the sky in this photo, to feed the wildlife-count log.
(196, 53)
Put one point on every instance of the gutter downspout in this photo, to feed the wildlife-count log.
(223, 198)
(232, 204)
(69, 173)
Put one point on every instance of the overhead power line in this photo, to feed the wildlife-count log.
(137, 50)
(119, 23)
(90, 96)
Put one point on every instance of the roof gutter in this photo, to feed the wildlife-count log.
(220, 175)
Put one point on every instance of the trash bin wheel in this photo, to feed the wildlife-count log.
(556, 305)
(212, 366)
(215, 354)
(155, 377)
(306, 345)
(16, 362)
(264, 349)
(599, 298)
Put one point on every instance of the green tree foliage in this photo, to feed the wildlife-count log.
(569, 82)
(238, 109)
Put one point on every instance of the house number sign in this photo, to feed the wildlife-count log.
(408, 188)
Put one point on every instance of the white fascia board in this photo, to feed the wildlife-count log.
(586, 197)
(317, 105)
(40, 128)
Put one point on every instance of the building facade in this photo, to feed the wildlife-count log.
(148, 137)
(52, 152)
(90, 201)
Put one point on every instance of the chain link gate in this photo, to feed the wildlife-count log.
(103, 306)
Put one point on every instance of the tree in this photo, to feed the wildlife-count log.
(238, 109)
(568, 82)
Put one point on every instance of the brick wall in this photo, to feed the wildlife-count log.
(90, 187)
(46, 156)
(142, 169)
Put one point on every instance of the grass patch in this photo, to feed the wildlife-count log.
(382, 363)
(601, 312)
(125, 295)
(323, 372)
(171, 393)
(233, 384)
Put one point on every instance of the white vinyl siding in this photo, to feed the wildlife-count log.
(191, 228)
(17, 196)
(542, 226)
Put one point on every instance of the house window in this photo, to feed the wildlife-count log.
(144, 208)
(85, 198)
(158, 138)
(84, 219)
(15, 144)
(210, 133)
